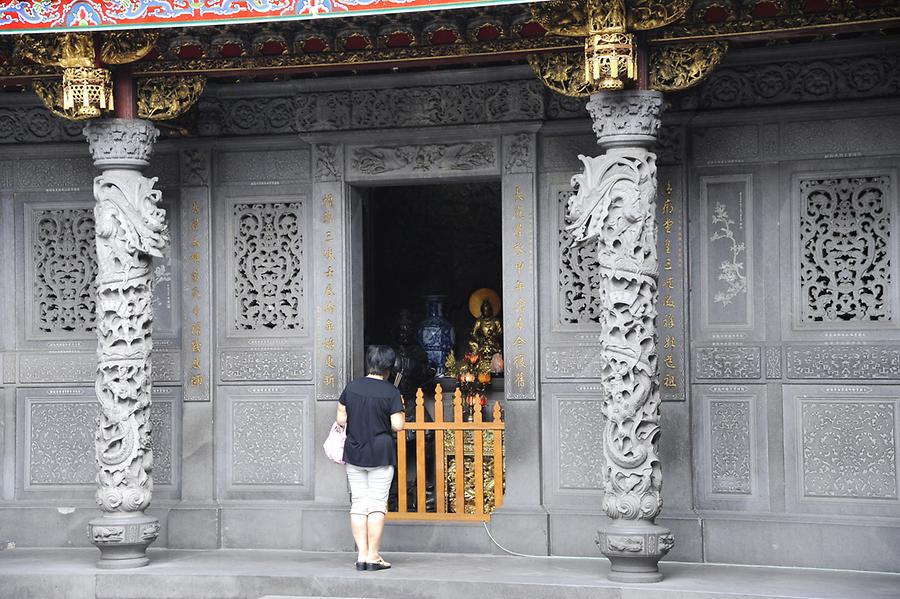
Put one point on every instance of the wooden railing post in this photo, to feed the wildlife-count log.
(440, 482)
(499, 478)
(459, 457)
(478, 458)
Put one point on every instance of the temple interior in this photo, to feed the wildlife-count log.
(429, 240)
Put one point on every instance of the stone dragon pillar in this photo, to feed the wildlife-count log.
(615, 206)
(130, 230)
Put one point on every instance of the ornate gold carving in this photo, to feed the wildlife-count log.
(653, 14)
(163, 98)
(562, 17)
(679, 67)
(563, 73)
(610, 59)
(65, 50)
(383, 56)
(122, 47)
(489, 482)
(50, 93)
(580, 17)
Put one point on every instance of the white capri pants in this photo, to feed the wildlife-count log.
(369, 488)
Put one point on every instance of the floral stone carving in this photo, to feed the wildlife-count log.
(615, 206)
(130, 229)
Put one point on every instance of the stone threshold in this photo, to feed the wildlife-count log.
(253, 574)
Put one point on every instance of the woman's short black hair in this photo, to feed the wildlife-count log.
(379, 360)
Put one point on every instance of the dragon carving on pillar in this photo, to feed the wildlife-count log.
(130, 230)
(615, 206)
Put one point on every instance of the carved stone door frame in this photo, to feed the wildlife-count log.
(344, 163)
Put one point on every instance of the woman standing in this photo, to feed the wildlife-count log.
(369, 409)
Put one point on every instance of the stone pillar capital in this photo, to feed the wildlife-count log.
(121, 143)
(626, 118)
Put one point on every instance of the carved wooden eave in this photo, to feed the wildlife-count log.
(452, 38)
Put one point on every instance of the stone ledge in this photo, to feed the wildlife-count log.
(227, 574)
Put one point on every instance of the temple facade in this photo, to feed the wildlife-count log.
(765, 197)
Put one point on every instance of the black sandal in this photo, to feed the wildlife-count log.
(379, 565)
(360, 566)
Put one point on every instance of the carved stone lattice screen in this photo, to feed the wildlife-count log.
(578, 274)
(845, 256)
(64, 266)
(268, 267)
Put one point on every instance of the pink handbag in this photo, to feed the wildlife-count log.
(334, 443)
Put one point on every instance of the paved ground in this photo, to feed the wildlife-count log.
(248, 574)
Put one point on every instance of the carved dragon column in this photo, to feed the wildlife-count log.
(130, 229)
(615, 207)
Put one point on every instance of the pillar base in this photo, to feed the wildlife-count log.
(634, 548)
(123, 538)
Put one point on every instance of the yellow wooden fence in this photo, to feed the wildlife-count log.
(459, 442)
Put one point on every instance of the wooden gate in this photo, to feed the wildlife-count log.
(467, 493)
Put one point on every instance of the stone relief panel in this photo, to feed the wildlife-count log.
(726, 253)
(267, 267)
(848, 449)
(258, 167)
(841, 452)
(63, 267)
(64, 367)
(571, 362)
(730, 144)
(846, 259)
(848, 137)
(422, 159)
(581, 460)
(773, 362)
(730, 446)
(727, 362)
(842, 361)
(57, 174)
(265, 365)
(29, 124)
(823, 78)
(266, 442)
(162, 439)
(61, 443)
(572, 452)
(393, 107)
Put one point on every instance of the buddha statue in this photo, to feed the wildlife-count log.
(487, 333)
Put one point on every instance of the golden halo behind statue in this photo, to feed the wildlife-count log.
(478, 296)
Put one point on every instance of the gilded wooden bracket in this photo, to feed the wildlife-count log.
(674, 68)
(563, 73)
(643, 15)
(158, 98)
(122, 47)
(164, 98)
(610, 54)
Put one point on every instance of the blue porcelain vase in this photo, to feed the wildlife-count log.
(436, 334)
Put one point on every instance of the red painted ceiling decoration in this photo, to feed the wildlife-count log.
(51, 15)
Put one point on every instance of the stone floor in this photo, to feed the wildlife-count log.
(249, 574)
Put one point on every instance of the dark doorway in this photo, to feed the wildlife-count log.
(427, 240)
